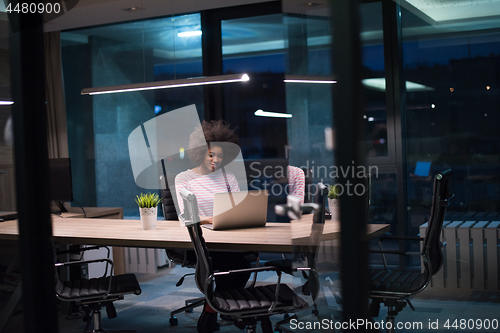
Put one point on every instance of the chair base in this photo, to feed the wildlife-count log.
(190, 305)
(251, 324)
(96, 318)
(394, 306)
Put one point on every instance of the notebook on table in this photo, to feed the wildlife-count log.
(422, 168)
(236, 210)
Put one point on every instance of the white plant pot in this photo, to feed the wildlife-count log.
(334, 208)
(148, 218)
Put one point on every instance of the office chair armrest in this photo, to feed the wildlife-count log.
(210, 279)
(400, 238)
(404, 253)
(108, 262)
(83, 249)
(257, 263)
(246, 270)
(86, 248)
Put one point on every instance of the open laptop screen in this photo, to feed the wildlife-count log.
(422, 168)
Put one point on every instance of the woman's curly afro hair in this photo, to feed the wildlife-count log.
(213, 131)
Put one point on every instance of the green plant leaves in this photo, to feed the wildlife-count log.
(334, 191)
(147, 200)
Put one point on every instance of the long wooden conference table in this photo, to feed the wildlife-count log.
(274, 237)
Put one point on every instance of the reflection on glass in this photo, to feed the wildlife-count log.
(98, 126)
(455, 124)
(375, 115)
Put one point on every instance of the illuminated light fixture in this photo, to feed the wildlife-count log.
(371, 119)
(311, 4)
(379, 84)
(189, 33)
(262, 113)
(196, 81)
(133, 9)
(433, 106)
(308, 79)
(6, 102)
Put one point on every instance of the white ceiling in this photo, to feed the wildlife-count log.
(447, 11)
(96, 12)
(446, 15)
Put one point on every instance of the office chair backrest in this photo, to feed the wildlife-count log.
(168, 206)
(203, 263)
(167, 200)
(432, 249)
(320, 192)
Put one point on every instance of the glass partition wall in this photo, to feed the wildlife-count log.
(99, 126)
(453, 122)
(445, 116)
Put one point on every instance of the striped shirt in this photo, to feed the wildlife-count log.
(204, 187)
(296, 182)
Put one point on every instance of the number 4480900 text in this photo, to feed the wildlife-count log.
(41, 8)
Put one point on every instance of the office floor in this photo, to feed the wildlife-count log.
(149, 312)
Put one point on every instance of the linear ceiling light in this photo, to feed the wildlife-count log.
(379, 84)
(6, 102)
(189, 33)
(308, 79)
(262, 113)
(196, 81)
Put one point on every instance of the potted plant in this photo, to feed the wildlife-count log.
(148, 209)
(334, 192)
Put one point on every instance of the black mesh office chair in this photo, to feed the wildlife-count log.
(186, 258)
(181, 257)
(320, 192)
(394, 287)
(247, 305)
(93, 294)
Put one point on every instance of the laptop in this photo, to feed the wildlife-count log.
(236, 210)
(7, 216)
(422, 168)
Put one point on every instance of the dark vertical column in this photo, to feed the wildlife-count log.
(211, 45)
(395, 95)
(32, 183)
(348, 137)
(80, 114)
(297, 47)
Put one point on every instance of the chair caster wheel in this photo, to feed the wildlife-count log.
(173, 321)
(315, 312)
(189, 311)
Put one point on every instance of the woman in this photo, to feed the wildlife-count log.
(211, 147)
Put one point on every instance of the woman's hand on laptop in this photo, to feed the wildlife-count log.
(206, 219)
